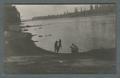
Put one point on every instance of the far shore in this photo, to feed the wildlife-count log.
(68, 17)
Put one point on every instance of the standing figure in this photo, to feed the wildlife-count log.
(56, 46)
(60, 44)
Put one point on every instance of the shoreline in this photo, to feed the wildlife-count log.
(20, 44)
(71, 17)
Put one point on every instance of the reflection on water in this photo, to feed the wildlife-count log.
(86, 32)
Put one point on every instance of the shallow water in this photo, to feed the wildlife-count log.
(86, 32)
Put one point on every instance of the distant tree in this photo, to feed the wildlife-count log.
(81, 9)
(64, 13)
(76, 10)
(96, 6)
(91, 7)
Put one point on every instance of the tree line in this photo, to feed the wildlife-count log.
(97, 9)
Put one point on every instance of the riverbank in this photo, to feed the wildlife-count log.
(82, 63)
(20, 44)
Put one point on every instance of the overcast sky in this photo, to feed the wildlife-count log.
(29, 11)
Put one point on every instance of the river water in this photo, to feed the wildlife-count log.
(93, 32)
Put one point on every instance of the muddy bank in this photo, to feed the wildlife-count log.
(20, 44)
(94, 62)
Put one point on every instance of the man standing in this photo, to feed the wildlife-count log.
(60, 44)
(56, 46)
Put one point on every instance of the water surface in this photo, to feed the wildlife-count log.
(87, 33)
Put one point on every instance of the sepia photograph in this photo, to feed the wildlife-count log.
(60, 39)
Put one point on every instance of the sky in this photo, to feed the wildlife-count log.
(29, 11)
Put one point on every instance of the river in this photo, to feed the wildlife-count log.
(92, 32)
